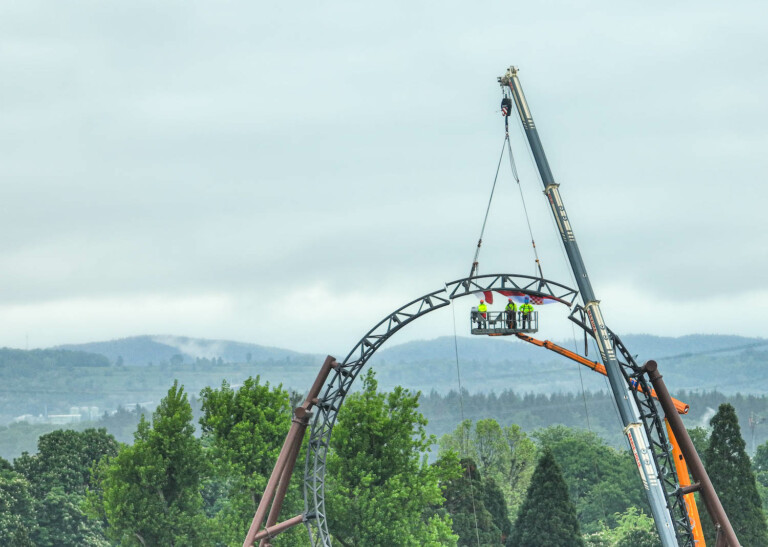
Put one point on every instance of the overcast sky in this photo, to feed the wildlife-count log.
(288, 174)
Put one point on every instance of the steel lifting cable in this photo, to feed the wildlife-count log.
(473, 269)
(461, 407)
(513, 167)
(506, 110)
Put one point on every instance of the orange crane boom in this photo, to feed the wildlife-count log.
(681, 407)
(685, 480)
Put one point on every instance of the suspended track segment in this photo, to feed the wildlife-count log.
(342, 377)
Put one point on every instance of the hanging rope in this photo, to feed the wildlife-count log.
(506, 108)
(461, 408)
(525, 208)
(473, 269)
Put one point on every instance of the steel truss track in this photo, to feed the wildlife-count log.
(342, 378)
(661, 448)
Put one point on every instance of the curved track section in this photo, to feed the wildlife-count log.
(341, 380)
(654, 428)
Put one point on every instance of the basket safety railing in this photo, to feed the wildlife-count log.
(503, 322)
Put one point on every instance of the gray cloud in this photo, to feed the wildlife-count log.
(235, 154)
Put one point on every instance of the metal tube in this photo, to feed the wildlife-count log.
(268, 532)
(302, 418)
(708, 494)
(686, 488)
(269, 491)
(286, 450)
(322, 376)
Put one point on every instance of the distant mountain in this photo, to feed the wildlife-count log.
(498, 350)
(143, 350)
(695, 362)
(485, 363)
(659, 347)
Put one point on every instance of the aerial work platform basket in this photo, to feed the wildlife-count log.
(503, 322)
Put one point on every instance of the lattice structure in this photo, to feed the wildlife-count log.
(343, 376)
(653, 423)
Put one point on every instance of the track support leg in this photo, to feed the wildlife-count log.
(277, 486)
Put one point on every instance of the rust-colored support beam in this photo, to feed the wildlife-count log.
(302, 416)
(680, 407)
(274, 493)
(271, 531)
(726, 537)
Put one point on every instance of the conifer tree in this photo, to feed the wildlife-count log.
(729, 469)
(493, 498)
(547, 517)
(465, 501)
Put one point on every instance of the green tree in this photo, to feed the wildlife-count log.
(504, 454)
(700, 438)
(245, 429)
(547, 517)
(465, 501)
(17, 510)
(380, 490)
(729, 469)
(602, 482)
(760, 467)
(150, 492)
(760, 459)
(493, 498)
(59, 474)
(64, 459)
(633, 529)
(522, 463)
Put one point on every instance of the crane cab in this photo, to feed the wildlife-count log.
(502, 323)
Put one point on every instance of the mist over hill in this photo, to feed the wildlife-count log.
(694, 362)
(154, 349)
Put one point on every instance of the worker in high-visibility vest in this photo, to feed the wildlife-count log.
(482, 314)
(511, 310)
(526, 310)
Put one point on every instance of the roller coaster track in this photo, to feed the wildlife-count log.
(343, 376)
(653, 423)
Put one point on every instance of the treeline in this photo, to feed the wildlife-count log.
(42, 382)
(490, 483)
(22, 361)
(594, 411)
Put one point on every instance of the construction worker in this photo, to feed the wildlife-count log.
(482, 314)
(511, 310)
(526, 309)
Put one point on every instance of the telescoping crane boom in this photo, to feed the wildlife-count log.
(628, 410)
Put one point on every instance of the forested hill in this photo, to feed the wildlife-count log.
(156, 349)
(495, 350)
(39, 383)
(146, 350)
(20, 360)
(730, 364)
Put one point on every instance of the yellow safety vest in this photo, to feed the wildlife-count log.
(526, 308)
(482, 308)
(511, 307)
